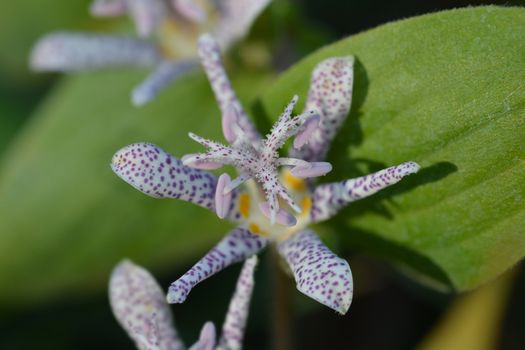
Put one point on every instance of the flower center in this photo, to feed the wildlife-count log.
(177, 39)
(258, 224)
(177, 36)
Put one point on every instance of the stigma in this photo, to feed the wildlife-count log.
(258, 160)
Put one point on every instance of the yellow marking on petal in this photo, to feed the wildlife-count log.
(293, 182)
(244, 204)
(118, 161)
(256, 230)
(306, 205)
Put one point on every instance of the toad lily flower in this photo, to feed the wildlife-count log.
(168, 31)
(139, 305)
(256, 205)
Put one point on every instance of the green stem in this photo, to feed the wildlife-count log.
(282, 327)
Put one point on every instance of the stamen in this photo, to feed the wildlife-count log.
(229, 120)
(223, 199)
(193, 161)
(314, 169)
(236, 183)
(282, 217)
(293, 162)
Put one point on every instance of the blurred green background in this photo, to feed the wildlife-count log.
(65, 241)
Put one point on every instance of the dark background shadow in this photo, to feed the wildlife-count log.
(348, 17)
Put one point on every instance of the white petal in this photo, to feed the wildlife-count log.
(238, 245)
(330, 95)
(139, 305)
(158, 174)
(165, 74)
(237, 316)
(236, 18)
(210, 55)
(206, 339)
(318, 272)
(328, 199)
(67, 52)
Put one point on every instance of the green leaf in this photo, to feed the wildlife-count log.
(23, 22)
(66, 219)
(12, 113)
(447, 91)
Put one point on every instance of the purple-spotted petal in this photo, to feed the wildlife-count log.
(306, 131)
(330, 95)
(238, 245)
(235, 322)
(139, 305)
(222, 200)
(318, 272)
(147, 15)
(328, 199)
(69, 52)
(158, 174)
(165, 74)
(189, 9)
(108, 8)
(239, 180)
(210, 55)
(236, 18)
(207, 338)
